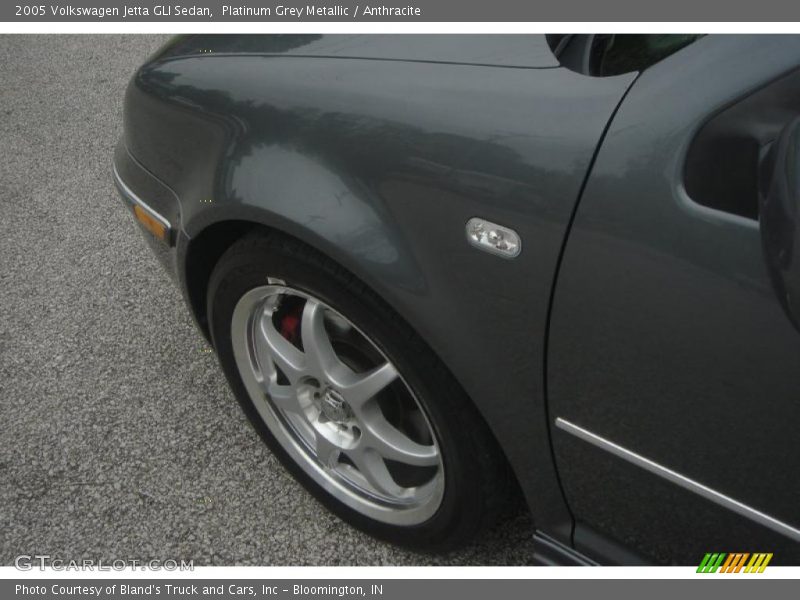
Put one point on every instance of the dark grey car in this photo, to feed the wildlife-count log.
(444, 274)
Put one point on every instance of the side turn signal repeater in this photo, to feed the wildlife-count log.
(493, 238)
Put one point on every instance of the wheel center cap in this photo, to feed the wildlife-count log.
(334, 406)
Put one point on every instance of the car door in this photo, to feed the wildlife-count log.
(673, 371)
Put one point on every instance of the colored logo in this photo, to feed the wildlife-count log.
(734, 563)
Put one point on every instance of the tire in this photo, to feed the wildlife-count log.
(460, 481)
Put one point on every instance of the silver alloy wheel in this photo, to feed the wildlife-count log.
(354, 426)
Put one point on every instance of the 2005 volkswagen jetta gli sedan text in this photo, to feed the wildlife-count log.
(448, 276)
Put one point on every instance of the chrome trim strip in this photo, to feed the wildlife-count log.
(550, 552)
(132, 198)
(680, 480)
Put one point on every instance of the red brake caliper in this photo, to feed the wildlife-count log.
(290, 324)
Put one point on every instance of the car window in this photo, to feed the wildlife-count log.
(602, 55)
(624, 53)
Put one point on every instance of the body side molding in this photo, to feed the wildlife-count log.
(681, 480)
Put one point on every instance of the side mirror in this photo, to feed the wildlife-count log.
(779, 217)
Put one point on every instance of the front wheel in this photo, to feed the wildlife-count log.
(354, 404)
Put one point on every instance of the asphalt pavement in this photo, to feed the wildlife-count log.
(119, 438)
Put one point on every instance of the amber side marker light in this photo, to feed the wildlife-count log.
(153, 225)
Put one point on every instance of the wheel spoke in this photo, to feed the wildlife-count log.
(327, 452)
(360, 388)
(281, 353)
(371, 466)
(320, 355)
(285, 398)
(393, 444)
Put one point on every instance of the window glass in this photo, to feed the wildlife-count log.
(622, 53)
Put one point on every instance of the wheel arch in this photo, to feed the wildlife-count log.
(204, 250)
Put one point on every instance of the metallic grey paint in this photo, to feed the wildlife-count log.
(667, 337)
